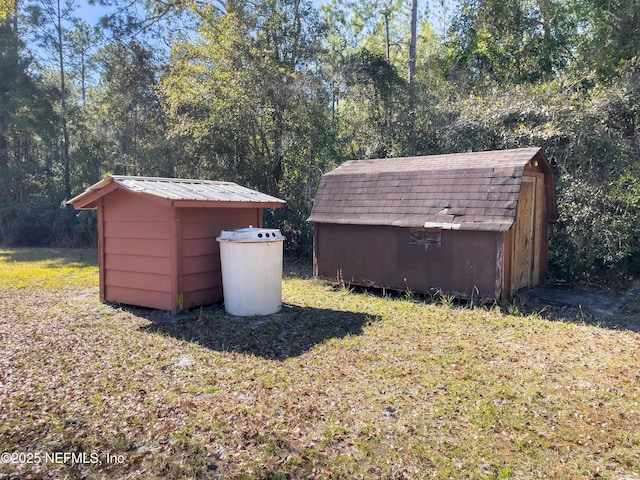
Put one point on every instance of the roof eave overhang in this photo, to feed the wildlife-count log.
(89, 198)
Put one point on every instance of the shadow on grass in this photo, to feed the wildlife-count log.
(52, 257)
(289, 333)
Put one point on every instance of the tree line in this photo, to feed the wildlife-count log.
(273, 93)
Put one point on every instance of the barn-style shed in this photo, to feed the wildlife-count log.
(157, 237)
(469, 224)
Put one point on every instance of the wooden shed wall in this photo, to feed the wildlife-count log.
(136, 251)
(466, 263)
(527, 241)
(200, 252)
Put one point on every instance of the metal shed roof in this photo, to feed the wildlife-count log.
(466, 191)
(176, 191)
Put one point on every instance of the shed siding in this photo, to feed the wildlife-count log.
(201, 271)
(463, 264)
(142, 298)
(138, 229)
(137, 251)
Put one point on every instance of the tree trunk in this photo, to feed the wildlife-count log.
(387, 37)
(4, 148)
(66, 162)
(545, 17)
(412, 42)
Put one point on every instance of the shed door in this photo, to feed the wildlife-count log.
(523, 259)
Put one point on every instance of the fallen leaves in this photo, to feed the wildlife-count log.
(339, 384)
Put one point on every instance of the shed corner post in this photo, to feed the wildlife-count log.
(507, 268)
(315, 249)
(260, 222)
(499, 289)
(177, 295)
(101, 253)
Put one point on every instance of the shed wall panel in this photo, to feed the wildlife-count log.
(383, 256)
(201, 270)
(136, 263)
(139, 281)
(137, 251)
(200, 264)
(139, 229)
(195, 247)
(137, 247)
(198, 230)
(200, 281)
(142, 298)
(224, 216)
(125, 206)
(202, 297)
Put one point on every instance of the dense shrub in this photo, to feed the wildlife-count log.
(592, 138)
(42, 222)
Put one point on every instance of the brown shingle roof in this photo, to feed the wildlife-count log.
(466, 191)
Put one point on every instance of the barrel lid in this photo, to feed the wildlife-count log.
(251, 235)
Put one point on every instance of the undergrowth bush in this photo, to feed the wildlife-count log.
(43, 222)
(592, 138)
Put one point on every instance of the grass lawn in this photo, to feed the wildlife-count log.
(340, 384)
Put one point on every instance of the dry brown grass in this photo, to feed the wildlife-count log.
(340, 384)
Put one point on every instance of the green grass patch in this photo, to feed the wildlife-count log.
(339, 384)
(48, 268)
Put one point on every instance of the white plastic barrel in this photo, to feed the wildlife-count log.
(251, 260)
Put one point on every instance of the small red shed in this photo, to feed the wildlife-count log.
(157, 243)
(469, 224)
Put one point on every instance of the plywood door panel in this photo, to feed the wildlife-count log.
(524, 236)
(540, 230)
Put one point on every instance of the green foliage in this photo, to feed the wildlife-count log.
(127, 121)
(39, 221)
(591, 138)
(272, 94)
(597, 235)
(373, 102)
(244, 105)
(510, 41)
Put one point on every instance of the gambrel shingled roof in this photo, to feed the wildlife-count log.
(465, 191)
(178, 191)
